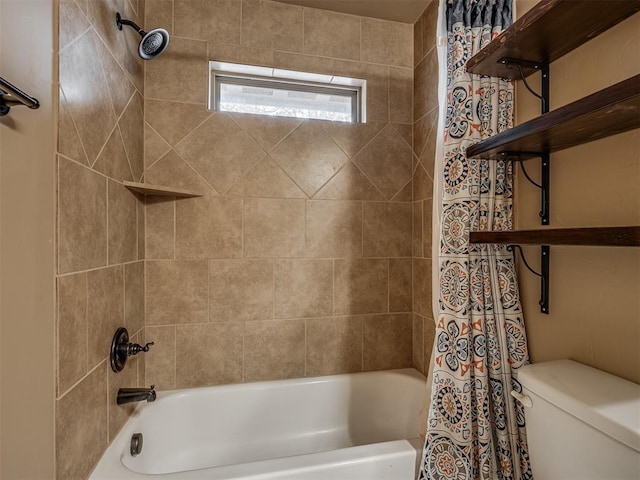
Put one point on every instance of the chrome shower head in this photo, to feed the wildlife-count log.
(152, 44)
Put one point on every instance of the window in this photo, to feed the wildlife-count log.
(285, 93)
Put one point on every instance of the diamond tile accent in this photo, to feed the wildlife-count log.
(220, 151)
(171, 170)
(349, 184)
(131, 128)
(154, 146)
(82, 77)
(172, 120)
(112, 161)
(267, 180)
(387, 161)
(309, 156)
(267, 131)
(351, 137)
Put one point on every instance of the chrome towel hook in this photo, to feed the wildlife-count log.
(10, 96)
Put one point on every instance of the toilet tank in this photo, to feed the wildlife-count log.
(582, 423)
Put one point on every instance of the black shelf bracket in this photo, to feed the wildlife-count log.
(545, 177)
(543, 274)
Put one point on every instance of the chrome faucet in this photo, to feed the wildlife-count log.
(130, 395)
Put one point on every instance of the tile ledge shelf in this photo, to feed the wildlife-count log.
(160, 190)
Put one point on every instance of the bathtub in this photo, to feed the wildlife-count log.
(356, 426)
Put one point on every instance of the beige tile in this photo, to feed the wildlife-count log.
(69, 143)
(134, 296)
(303, 288)
(400, 285)
(417, 40)
(132, 129)
(331, 34)
(429, 27)
(422, 184)
(82, 218)
(405, 130)
(222, 52)
(160, 228)
(401, 95)
(386, 161)
(273, 228)
(105, 310)
(127, 378)
(418, 343)
(425, 90)
(386, 229)
(220, 151)
(388, 341)
(208, 354)
(211, 20)
(81, 74)
(122, 224)
(240, 290)
(334, 229)
(267, 180)
(404, 195)
(160, 360)
(428, 157)
(351, 137)
(141, 229)
(387, 42)
(171, 170)
(176, 291)
(334, 345)
(159, 13)
(173, 120)
(360, 286)
(179, 73)
(417, 244)
(120, 87)
(429, 337)
(209, 227)
(154, 146)
(272, 25)
(274, 350)
(309, 156)
(81, 426)
(422, 287)
(266, 130)
(72, 22)
(349, 184)
(427, 235)
(425, 132)
(113, 160)
(123, 44)
(72, 330)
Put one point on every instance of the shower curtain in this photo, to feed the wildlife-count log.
(475, 429)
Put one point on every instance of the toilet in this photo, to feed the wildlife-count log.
(582, 423)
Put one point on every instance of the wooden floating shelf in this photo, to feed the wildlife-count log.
(548, 31)
(159, 190)
(614, 110)
(597, 236)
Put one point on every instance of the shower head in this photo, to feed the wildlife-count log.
(153, 43)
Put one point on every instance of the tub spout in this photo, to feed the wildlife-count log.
(130, 395)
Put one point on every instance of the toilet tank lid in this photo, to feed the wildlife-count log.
(607, 403)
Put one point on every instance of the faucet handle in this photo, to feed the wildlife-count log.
(134, 348)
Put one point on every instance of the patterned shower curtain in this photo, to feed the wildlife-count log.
(475, 428)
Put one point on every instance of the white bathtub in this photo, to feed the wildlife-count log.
(358, 426)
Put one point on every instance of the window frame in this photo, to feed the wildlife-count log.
(266, 77)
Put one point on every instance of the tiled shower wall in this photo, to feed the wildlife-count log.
(425, 115)
(100, 244)
(297, 259)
